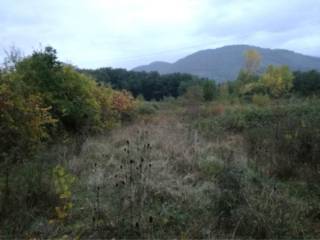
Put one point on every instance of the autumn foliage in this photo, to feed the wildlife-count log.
(40, 96)
(44, 101)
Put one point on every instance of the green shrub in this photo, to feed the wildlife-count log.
(63, 182)
(281, 140)
(264, 217)
(284, 138)
(260, 100)
(30, 189)
(209, 90)
(247, 205)
(146, 108)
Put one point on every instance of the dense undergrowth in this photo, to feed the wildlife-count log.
(163, 176)
(282, 138)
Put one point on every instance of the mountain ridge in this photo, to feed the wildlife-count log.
(224, 63)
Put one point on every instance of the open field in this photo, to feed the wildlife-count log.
(163, 176)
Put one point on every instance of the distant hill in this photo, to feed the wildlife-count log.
(225, 63)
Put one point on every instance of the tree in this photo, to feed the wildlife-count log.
(69, 94)
(244, 82)
(307, 83)
(209, 90)
(150, 85)
(23, 120)
(247, 77)
(253, 59)
(39, 94)
(277, 80)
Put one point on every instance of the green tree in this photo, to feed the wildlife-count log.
(307, 83)
(24, 115)
(69, 94)
(150, 85)
(209, 90)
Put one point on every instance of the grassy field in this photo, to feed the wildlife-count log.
(183, 170)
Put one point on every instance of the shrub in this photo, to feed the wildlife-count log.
(278, 80)
(146, 108)
(124, 104)
(281, 140)
(62, 184)
(260, 100)
(75, 100)
(250, 206)
(209, 90)
(42, 99)
(23, 120)
(286, 134)
(263, 217)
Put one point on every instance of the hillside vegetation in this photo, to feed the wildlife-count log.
(82, 158)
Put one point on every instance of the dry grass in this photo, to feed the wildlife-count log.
(177, 155)
(160, 178)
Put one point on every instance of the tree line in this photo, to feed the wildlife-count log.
(274, 82)
(151, 86)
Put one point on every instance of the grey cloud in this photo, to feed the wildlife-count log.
(125, 33)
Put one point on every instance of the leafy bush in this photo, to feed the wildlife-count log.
(23, 120)
(260, 100)
(278, 80)
(30, 189)
(250, 206)
(209, 90)
(124, 104)
(40, 100)
(288, 135)
(146, 108)
(263, 217)
(281, 140)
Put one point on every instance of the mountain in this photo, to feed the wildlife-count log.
(225, 63)
(160, 67)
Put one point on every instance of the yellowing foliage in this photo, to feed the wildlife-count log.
(123, 102)
(23, 120)
(278, 80)
(63, 182)
(107, 118)
(253, 59)
(40, 91)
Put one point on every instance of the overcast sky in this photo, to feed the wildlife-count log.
(127, 33)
